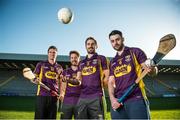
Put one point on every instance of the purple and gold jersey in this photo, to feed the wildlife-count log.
(124, 70)
(91, 75)
(47, 74)
(72, 92)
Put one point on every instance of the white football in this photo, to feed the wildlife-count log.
(65, 15)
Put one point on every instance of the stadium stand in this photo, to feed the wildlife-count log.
(163, 85)
(12, 83)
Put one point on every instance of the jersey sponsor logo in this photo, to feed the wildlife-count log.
(88, 70)
(50, 75)
(122, 70)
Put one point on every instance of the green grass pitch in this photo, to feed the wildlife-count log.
(23, 108)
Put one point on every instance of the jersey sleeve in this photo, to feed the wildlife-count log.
(104, 62)
(140, 55)
(37, 69)
(80, 66)
(64, 75)
(60, 69)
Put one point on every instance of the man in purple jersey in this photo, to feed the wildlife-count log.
(70, 91)
(93, 73)
(48, 72)
(125, 67)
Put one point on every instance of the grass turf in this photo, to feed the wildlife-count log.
(23, 108)
(155, 114)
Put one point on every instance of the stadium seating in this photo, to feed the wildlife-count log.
(16, 85)
(13, 83)
(163, 86)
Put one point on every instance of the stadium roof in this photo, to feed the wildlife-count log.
(30, 57)
(19, 61)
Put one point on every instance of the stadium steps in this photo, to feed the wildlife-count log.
(18, 85)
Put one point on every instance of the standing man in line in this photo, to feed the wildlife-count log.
(125, 67)
(48, 72)
(93, 73)
(70, 90)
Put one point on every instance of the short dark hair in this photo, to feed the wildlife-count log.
(114, 32)
(90, 38)
(74, 52)
(52, 47)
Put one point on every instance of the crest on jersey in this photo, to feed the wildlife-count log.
(88, 63)
(120, 61)
(95, 61)
(74, 75)
(52, 68)
(127, 58)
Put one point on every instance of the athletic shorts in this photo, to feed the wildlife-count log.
(46, 107)
(68, 111)
(90, 108)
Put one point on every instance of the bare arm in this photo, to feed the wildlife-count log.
(79, 76)
(62, 91)
(106, 77)
(111, 86)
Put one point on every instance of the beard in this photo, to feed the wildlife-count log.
(90, 51)
(118, 47)
(74, 63)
